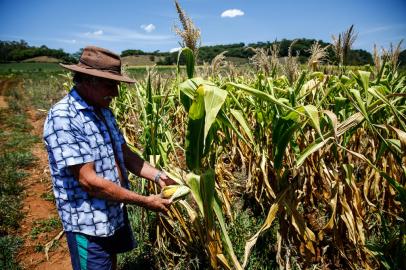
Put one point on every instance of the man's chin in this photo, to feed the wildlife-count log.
(106, 103)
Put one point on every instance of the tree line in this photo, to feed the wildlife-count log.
(12, 51)
(15, 51)
(300, 48)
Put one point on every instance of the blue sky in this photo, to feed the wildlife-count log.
(148, 25)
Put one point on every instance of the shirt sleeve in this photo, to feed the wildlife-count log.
(66, 141)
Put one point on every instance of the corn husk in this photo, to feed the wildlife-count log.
(175, 192)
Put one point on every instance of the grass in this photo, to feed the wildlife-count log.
(9, 246)
(19, 68)
(140, 72)
(45, 225)
(48, 196)
(15, 158)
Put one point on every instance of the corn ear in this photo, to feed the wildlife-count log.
(174, 192)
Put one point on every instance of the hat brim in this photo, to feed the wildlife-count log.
(98, 73)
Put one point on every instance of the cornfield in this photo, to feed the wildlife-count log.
(318, 157)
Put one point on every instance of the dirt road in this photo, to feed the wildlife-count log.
(36, 208)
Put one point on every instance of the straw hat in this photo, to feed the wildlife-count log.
(100, 62)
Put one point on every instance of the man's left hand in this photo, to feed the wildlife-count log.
(166, 180)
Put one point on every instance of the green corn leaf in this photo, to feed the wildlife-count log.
(193, 182)
(189, 59)
(374, 91)
(225, 120)
(224, 234)
(169, 138)
(313, 115)
(334, 121)
(283, 134)
(196, 110)
(207, 101)
(264, 96)
(292, 116)
(207, 189)
(188, 90)
(148, 90)
(300, 82)
(311, 149)
(214, 98)
(194, 144)
(360, 102)
(363, 79)
(241, 120)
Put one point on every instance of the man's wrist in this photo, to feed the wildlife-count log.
(158, 177)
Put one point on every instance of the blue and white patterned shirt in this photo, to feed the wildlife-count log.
(74, 134)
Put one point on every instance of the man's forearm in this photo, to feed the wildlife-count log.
(137, 165)
(102, 188)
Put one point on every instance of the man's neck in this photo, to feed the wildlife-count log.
(83, 93)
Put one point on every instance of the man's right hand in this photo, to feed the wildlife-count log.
(157, 203)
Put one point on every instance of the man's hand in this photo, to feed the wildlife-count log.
(166, 181)
(157, 203)
(105, 189)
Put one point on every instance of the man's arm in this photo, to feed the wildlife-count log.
(101, 188)
(142, 168)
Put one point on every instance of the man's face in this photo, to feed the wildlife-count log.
(100, 92)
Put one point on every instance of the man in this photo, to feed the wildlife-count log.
(89, 158)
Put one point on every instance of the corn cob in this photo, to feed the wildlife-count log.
(174, 192)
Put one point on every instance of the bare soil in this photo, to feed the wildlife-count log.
(4, 84)
(36, 208)
(3, 103)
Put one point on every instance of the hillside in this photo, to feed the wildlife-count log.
(141, 60)
(43, 59)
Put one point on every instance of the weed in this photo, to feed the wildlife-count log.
(8, 247)
(15, 145)
(245, 225)
(21, 140)
(48, 196)
(142, 256)
(10, 213)
(46, 225)
(39, 248)
(19, 160)
(18, 122)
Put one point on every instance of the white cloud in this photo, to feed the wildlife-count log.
(148, 28)
(175, 49)
(69, 41)
(377, 29)
(98, 33)
(118, 34)
(231, 13)
(95, 33)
